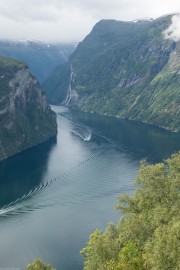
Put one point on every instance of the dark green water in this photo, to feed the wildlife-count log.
(54, 195)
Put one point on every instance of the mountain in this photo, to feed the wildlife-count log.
(124, 69)
(57, 83)
(41, 58)
(25, 117)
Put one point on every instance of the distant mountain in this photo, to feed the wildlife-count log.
(41, 58)
(25, 117)
(124, 69)
(57, 83)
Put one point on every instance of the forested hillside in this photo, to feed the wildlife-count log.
(147, 236)
(124, 69)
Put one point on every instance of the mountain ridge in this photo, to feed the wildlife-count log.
(126, 70)
(41, 57)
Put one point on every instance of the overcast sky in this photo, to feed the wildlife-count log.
(71, 20)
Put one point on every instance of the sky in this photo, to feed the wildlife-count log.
(68, 21)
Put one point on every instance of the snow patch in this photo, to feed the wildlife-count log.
(143, 20)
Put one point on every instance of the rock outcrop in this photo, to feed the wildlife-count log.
(26, 119)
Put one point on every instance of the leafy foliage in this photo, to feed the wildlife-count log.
(148, 234)
(39, 265)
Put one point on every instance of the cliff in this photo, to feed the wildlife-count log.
(127, 70)
(25, 116)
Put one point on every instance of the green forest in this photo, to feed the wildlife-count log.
(123, 69)
(147, 236)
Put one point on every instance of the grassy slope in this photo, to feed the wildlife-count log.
(10, 63)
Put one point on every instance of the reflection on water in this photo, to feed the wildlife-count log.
(54, 195)
(24, 172)
(143, 141)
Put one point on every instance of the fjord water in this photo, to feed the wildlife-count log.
(54, 195)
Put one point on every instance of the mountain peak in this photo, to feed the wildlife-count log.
(126, 69)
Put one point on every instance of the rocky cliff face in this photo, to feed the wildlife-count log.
(127, 70)
(25, 117)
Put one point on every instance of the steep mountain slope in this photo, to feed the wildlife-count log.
(128, 70)
(41, 58)
(163, 95)
(25, 117)
(57, 83)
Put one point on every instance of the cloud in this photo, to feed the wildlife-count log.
(64, 29)
(173, 31)
(71, 20)
(23, 11)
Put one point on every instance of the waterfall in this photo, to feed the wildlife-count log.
(3, 150)
(68, 97)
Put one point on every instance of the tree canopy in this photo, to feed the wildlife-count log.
(38, 264)
(147, 236)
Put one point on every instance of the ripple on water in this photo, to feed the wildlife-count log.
(103, 173)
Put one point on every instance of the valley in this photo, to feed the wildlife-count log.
(80, 122)
(54, 195)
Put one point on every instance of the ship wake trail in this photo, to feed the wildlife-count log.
(22, 204)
